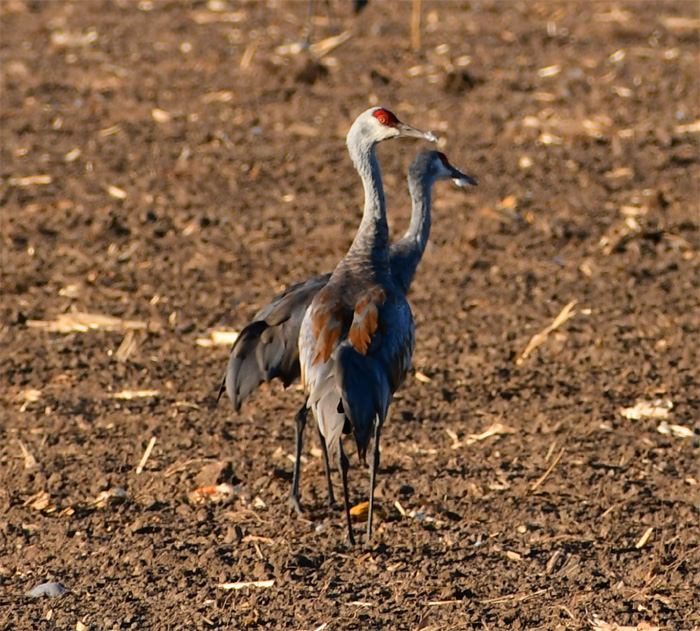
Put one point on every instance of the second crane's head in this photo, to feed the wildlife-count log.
(435, 166)
(377, 124)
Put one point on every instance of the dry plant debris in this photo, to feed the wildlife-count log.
(644, 539)
(215, 493)
(129, 395)
(84, 322)
(539, 338)
(547, 473)
(218, 338)
(146, 455)
(360, 512)
(601, 625)
(128, 347)
(656, 408)
(681, 431)
(422, 377)
(40, 501)
(242, 584)
(497, 429)
(29, 459)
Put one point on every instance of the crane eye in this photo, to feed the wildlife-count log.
(385, 117)
(443, 159)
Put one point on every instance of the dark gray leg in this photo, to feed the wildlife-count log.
(309, 24)
(299, 424)
(327, 465)
(331, 17)
(373, 473)
(344, 465)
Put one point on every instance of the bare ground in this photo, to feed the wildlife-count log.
(169, 163)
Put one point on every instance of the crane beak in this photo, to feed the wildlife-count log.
(462, 179)
(407, 130)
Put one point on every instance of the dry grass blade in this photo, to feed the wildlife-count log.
(247, 57)
(422, 377)
(242, 584)
(644, 539)
(547, 473)
(211, 17)
(657, 408)
(681, 431)
(218, 338)
(129, 395)
(518, 598)
(680, 24)
(565, 314)
(497, 429)
(128, 346)
(84, 322)
(30, 180)
(690, 128)
(415, 24)
(325, 46)
(146, 455)
(29, 459)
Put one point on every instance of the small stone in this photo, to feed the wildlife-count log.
(50, 590)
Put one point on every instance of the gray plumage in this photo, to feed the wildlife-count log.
(357, 336)
(267, 348)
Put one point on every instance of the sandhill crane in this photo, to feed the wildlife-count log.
(357, 336)
(267, 347)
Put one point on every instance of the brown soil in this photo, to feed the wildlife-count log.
(190, 169)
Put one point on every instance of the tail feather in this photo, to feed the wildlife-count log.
(365, 394)
(324, 403)
(244, 374)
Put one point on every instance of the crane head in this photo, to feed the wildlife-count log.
(379, 124)
(435, 166)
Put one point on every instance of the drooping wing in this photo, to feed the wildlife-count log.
(293, 300)
(267, 347)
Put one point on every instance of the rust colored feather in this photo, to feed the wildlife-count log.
(328, 321)
(362, 329)
(327, 342)
(366, 319)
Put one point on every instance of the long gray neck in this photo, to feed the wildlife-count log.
(408, 251)
(371, 243)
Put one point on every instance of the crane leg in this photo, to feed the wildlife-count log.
(309, 24)
(373, 474)
(331, 17)
(299, 424)
(344, 465)
(327, 465)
